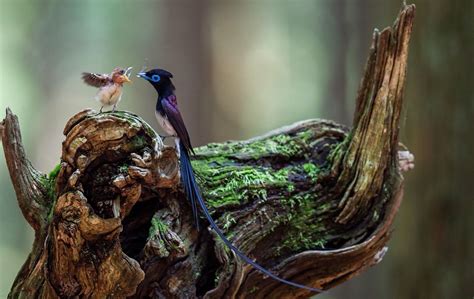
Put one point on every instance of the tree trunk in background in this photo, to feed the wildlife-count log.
(439, 120)
(336, 107)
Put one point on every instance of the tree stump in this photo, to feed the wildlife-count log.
(313, 202)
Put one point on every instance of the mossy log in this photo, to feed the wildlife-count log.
(313, 202)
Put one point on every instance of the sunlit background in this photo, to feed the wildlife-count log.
(242, 68)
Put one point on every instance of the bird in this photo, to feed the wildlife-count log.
(170, 119)
(110, 86)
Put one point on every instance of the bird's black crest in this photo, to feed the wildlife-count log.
(162, 73)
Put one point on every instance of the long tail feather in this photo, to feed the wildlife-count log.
(193, 194)
(188, 183)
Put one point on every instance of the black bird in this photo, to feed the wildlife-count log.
(169, 118)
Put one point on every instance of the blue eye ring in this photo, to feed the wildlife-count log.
(155, 78)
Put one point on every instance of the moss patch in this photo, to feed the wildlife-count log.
(303, 229)
(233, 174)
(234, 185)
(312, 171)
(49, 184)
(54, 173)
(278, 145)
(157, 225)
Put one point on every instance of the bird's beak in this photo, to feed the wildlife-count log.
(141, 75)
(125, 79)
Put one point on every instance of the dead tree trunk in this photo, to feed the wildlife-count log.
(313, 202)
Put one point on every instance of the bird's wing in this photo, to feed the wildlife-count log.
(170, 107)
(96, 80)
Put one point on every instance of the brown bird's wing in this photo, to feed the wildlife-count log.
(96, 80)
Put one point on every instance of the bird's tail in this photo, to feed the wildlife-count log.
(193, 193)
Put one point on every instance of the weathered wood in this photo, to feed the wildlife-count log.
(32, 197)
(313, 202)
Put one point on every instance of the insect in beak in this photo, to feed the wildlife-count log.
(142, 72)
(128, 71)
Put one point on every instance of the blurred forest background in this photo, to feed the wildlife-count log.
(243, 68)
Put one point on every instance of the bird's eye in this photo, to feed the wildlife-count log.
(155, 78)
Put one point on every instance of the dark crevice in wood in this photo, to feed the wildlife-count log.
(136, 227)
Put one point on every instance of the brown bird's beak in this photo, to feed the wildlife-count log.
(124, 78)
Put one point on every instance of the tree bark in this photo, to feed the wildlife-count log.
(313, 202)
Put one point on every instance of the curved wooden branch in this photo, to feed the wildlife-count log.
(313, 202)
(30, 185)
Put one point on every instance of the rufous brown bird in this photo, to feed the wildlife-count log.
(110, 86)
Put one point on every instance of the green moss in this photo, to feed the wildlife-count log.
(228, 221)
(49, 184)
(290, 188)
(137, 142)
(306, 136)
(226, 183)
(339, 149)
(312, 171)
(234, 185)
(304, 230)
(157, 225)
(227, 178)
(278, 145)
(54, 173)
(123, 169)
